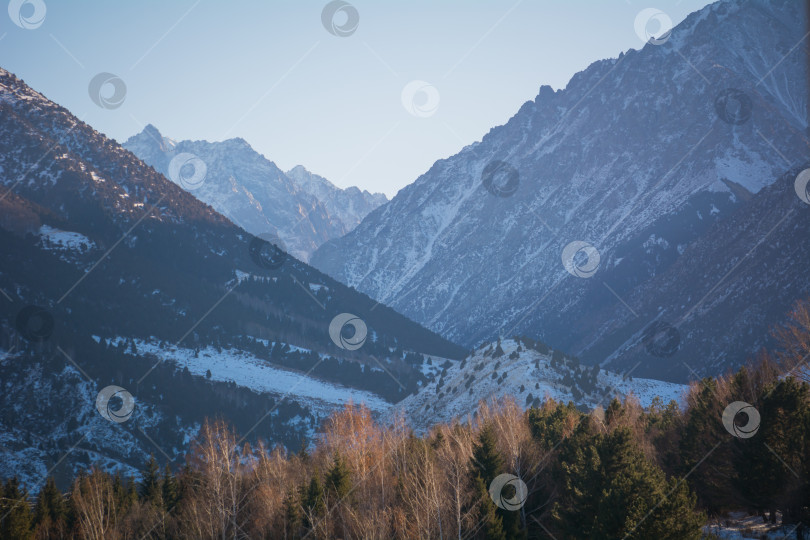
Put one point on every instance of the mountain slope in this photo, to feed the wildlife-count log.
(531, 373)
(105, 262)
(350, 205)
(638, 156)
(251, 191)
(719, 299)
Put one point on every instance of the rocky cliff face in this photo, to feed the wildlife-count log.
(595, 195)
(350, 205)
(301, 208)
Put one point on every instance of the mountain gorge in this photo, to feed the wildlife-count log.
(640, 218)
(301, 208)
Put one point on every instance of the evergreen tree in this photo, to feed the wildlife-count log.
(802, 500)
(171, 490)
(438, 441)
(303, 453)
(150, 488)
(491, 524)
(132, 491)
(548, 424)
(50, 512)
(123, 492)
(611, 490)
(292, 515)
(613, 412)
(487, 463)
(338, 479)
(703, 431)
(767, 463)
(15, 512)
(579, 474)
(313, 500)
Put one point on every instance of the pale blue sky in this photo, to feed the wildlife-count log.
(269, 72)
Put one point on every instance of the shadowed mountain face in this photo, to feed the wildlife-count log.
(619, 201)
(302, 208)
(114, 275)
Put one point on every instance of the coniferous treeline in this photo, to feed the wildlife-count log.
(616, 472)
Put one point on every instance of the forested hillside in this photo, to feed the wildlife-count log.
(740, 443)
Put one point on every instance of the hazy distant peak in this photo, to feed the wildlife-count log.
(305, 209)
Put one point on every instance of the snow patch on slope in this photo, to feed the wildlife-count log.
(54, 239)
(244, 369)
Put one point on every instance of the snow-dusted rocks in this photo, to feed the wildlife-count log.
(302, 208)
(530, 375)
(633, 158)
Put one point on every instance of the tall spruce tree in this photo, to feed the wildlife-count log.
(490, 524)
(579, 475)
(487, 463)
(50, 511)
(312, 500)
(171, 490)
(150, 488)
(15, 511)
(338, 478)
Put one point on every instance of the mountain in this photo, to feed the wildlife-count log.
(301, 208)
(528, 371)
(350, 205)
(584, 220)
(130, 311)
(715, 305)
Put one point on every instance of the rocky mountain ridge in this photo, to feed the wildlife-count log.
(556, 222)
(301, 208)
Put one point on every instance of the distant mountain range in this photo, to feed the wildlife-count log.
(114, 277)
(301, 208)
(643, 218)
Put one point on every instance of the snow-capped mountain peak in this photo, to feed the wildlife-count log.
(303, 209)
